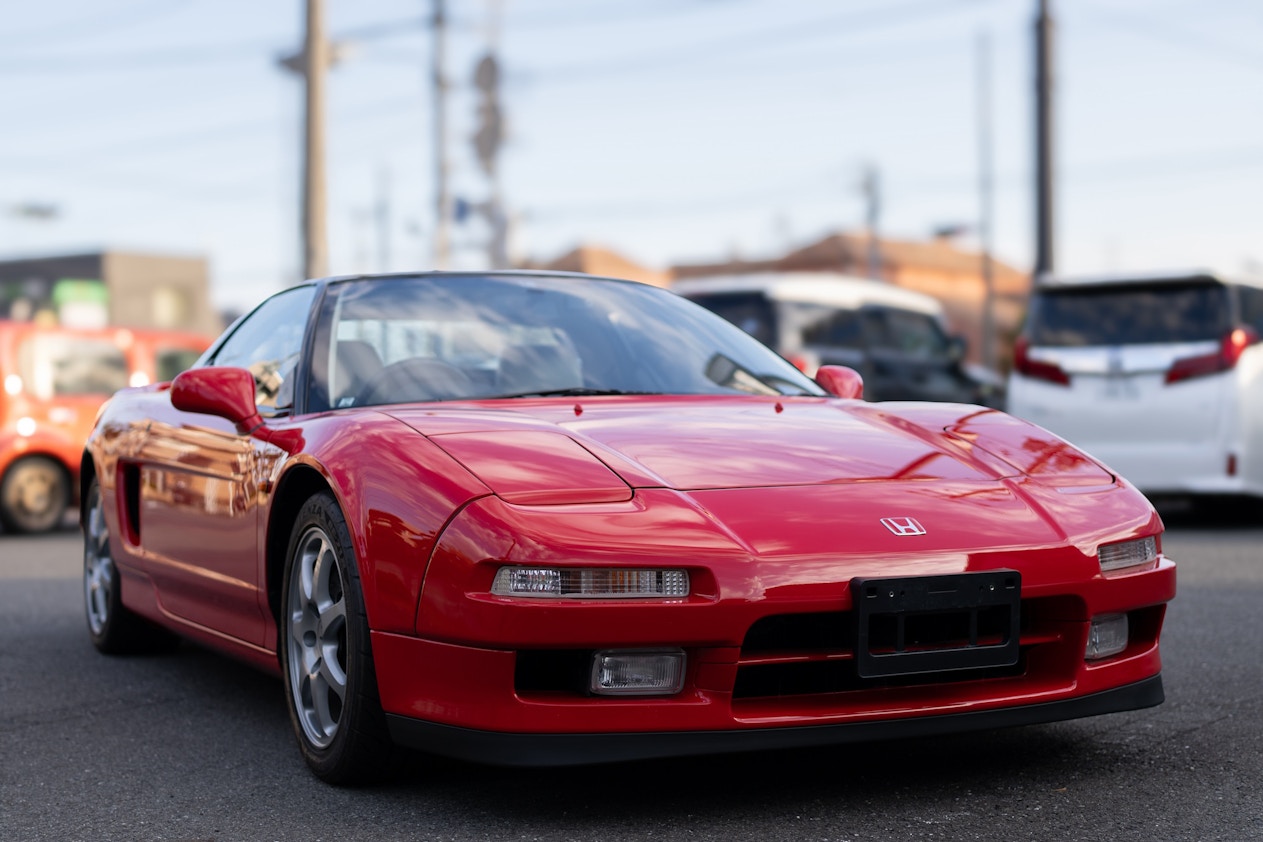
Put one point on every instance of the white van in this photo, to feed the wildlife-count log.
(895, 338)
(1158, 376)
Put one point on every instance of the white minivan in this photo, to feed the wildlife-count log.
(896, 338)
(1160, 377)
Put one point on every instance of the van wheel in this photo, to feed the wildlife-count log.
(34, 495)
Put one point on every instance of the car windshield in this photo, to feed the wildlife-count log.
(1128, 315)
(60, 364)
(455, 337)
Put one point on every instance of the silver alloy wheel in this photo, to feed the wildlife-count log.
(98, 565)
(317, 649)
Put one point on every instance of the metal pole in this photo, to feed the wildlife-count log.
(1044, 263)
(872, 193)
(315, 63)
(985, 200)
(383, 220)
(442, 202)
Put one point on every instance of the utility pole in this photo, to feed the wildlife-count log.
(1044, 262)
(986, 195)
(312, 63)
(383, 220)
(442, 201)
(872, 196)
(315, 224)
(487, 141)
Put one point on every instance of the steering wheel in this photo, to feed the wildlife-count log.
(415, 379)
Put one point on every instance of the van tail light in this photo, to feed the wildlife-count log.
(1037, 369)
(1224, 359)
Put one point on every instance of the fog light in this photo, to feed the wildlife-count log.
(591, 582)
(1106, 637)
(637, 672)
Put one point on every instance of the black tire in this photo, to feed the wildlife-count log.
(333, 702)
(113, 628)
(34, 495)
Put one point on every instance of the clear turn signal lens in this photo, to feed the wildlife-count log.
(1128, 553)
(591, 583)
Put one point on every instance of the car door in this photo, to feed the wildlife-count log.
(200, 484)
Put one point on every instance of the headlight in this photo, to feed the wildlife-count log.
(590, 583)
(1128, 553)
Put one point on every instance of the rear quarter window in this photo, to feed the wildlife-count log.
(1129, 315)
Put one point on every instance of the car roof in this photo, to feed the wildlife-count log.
(1141, 278)
(829, 288)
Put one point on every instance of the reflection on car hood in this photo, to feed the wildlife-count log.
(693, 443)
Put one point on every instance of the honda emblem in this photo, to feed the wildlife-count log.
(903, 526)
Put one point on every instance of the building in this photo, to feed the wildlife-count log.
(124, 289)
(596, 260)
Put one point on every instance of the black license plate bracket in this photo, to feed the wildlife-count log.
(922, 624)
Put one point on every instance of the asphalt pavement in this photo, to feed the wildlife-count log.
(192, 746)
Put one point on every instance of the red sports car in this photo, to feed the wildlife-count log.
(545, 519)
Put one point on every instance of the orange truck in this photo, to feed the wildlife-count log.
(53, 381)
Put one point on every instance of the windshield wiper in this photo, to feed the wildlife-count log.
(574, 392)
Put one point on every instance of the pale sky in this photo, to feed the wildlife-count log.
(669, 130)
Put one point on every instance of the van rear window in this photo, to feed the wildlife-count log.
(1128, 315)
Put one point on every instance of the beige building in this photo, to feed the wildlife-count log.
(596, 260)
(125, 289)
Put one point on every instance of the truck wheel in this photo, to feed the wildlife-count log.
(34, 495)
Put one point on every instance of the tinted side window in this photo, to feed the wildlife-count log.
(834, 329)
(1129, 315)
(750, 311)
(905, 332)
(268, 343)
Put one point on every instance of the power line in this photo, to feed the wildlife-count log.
(183, 140)
(849, 23)
(193, 55)
(100, 24)
(1185, 38)
(824, 184)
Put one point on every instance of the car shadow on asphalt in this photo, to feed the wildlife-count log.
(714, 786)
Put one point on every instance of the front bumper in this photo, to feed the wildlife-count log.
(559, 749)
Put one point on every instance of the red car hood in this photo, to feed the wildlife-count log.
(694, 443)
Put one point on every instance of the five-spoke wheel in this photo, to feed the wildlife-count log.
(316, 654)
(98, 565)
(327, 658)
